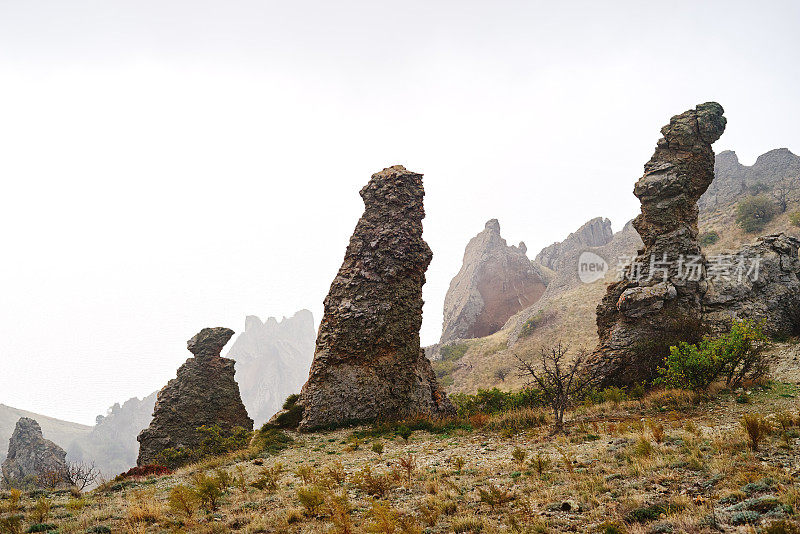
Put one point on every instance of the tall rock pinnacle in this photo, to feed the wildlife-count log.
(368, 363)
(659, 301)
(203, 393)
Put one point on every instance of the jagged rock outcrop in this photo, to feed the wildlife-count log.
(651, 303)
(368, 363)
(272, 361)
(734, 181)
(32, 458)
(495, 282)
(203, 393)
(760, 281)
(594, 233)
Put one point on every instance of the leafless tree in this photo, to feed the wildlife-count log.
(783, 192)
(81, 474)
(559, 380)
(502, 373)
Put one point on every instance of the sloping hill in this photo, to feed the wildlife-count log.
(62, 433)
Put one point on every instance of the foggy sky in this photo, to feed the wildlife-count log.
(168, 166)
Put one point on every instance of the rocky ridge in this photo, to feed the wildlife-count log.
(495, 282)
(368, 363)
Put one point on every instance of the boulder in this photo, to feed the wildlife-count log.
(31, 458)
(368, 364)
(761, 282)
(203, 393)
(495, 282)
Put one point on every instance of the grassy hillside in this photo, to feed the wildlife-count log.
(669, 462)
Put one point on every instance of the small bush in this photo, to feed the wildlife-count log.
(270, 441)
(753, 214)
(375, 484)
(645, 514)
(495, 496)
(42, 527)
(757, 428)
(454, 352)
(291, 415)
(40, 510)
(734, 356)
(312, 499)
(213, 441)
(782, 527)
(209, 490)
(708, 238)
(377, 447)
(467, 525)
(794, 218)
(183, 500)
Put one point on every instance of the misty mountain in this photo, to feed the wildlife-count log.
(272, 361)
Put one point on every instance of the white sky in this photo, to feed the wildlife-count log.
(171, 165)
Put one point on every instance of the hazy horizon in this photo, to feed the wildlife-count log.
(173, 166)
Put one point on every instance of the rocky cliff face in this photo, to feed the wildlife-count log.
(733, 180)
(203, 393)
(761, 282)
(273, 359)
(30, 456)
(495, 282)
(368, 363)
(656, 298)
(594, 233)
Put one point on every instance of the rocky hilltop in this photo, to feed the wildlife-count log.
(594, 233)
(733, 180)
(31, 457)
(203, 393)
(63, 432)
(368, 363)
(662, 299)
(495, 282)
(272, 360)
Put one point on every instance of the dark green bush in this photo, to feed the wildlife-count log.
(491, 401)
(645, 514)
(214, 442)
(708, 238)
(292, 413)
(753, 214)
(733, 357)
(270, 441)
(453, 352)
(42, 527)
(539, 319)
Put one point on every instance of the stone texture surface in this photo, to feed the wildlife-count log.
(272, 361)
(770, 294)
(679, 172)
(30, 455)
(368, 364)
(203, 393)
(594, 233)
(734, 181)
(495, 282)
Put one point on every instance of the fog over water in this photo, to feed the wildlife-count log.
(167, 166)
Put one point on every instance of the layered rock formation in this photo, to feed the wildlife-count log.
(594, 233)
(734, 181)
(273, 359)
(761, 282)
(495, 282)
(203, 393)
(368, 364)
(32, 458)
(658, 299)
